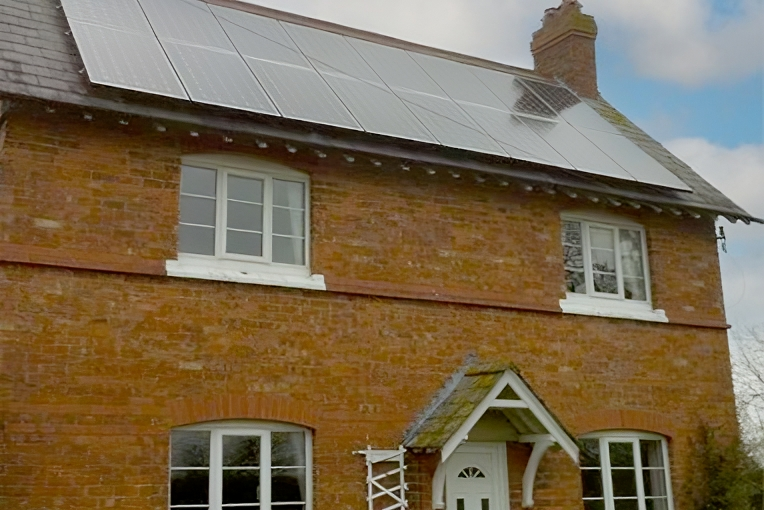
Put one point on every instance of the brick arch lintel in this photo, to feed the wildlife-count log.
(256, 406)
(625, 419)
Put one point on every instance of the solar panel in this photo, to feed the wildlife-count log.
(211, 69)
(119, 49)
(570, 107)
(187, 22)
(396, 67)
(629, 156)
(378, 110)
(123, 15)
(295, 87)
(517, 139)
(450, 124)
(218, 78)
(221, 56)
(585, 121)
(558, 98)
(445, 119)
(512, 93)
(457, 81)
(576, 148)
(371, 102)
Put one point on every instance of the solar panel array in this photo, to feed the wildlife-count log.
(214, 55)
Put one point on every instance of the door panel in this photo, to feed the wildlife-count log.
(476, 478)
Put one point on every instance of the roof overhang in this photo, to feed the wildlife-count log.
(217, 123)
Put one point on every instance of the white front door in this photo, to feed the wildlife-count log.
(476, 477)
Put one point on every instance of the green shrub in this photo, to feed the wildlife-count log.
(726, 477)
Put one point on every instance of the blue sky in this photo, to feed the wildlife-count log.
(689, 72)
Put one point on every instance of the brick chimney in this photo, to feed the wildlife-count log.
(563, 48)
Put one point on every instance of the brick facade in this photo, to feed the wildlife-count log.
(102, 354)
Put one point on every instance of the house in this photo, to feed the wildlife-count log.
(251, 260)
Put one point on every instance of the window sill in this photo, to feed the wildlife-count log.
(602, 307)
(207, 270)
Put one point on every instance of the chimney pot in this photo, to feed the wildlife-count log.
(563, 48)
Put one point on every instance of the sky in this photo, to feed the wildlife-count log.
(689, 72)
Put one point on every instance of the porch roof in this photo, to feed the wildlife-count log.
(476, 391)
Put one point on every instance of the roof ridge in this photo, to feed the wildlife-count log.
(374, 37)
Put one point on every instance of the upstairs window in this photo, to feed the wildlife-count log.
(625, 471)
(257, 214)
(241, 466)
(605, 260)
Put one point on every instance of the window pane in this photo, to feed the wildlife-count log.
(631, 253)
(287, 449)
(485, 504)
(289, 194)
(655, 482)
(243, 188)
(288, 222)
(288, 250)
(602, 238)
(624, 482)
(603, 261)
(198, 181)
(289, 506)
(606, 283)
(189, 487)
(571, 233)
(590, 453)
(573, 257)
(288, 485)
(460, 504)
(652, 453)
(241, 486)
(621, 454)
(245, 216)
(594, 505)
(200, 240)
(244, 243)
(200, 211)
(241, 451)
(592, 482)
(634, 289)
(575, 281)
(190, 449)
(657, 504)
(626, 504)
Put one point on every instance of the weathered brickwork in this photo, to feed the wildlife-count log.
(99, 365)
(563, 48)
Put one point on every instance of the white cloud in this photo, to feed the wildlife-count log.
(681, 41)
(738, 173)
(686, 41)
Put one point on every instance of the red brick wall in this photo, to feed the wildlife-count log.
(98, 366)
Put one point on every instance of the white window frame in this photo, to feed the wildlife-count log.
(620, 436)
(600, 303)
(245, 268)
(245, 428)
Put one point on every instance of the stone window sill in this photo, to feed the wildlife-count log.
(207, 271)
(603, 307)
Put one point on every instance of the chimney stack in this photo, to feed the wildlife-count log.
(563, 48)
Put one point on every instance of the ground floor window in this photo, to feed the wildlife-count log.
(625, 471)
(241, 466)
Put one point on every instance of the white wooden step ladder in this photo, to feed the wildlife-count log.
(385, 480)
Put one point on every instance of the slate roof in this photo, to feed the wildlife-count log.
(450, 411)
(39, 60)
(459, 398)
